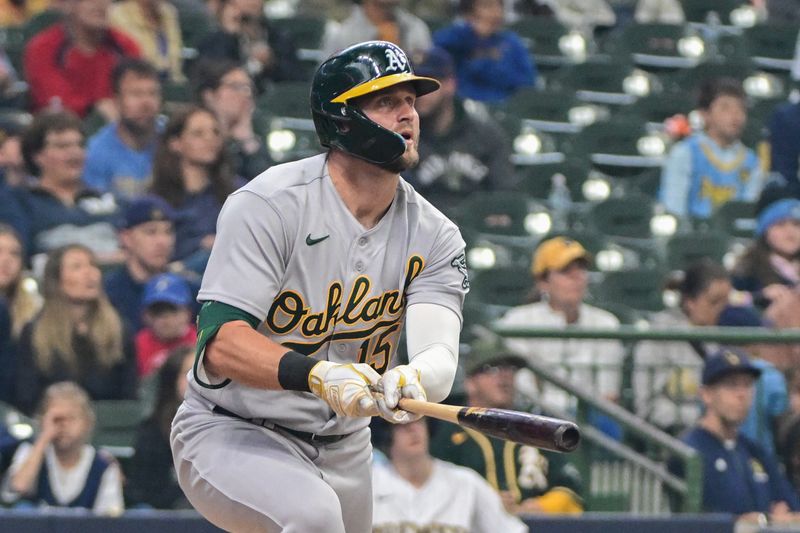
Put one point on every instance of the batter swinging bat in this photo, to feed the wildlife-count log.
(524, 428)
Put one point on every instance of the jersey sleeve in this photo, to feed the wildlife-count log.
(443, 280)
(248, 259)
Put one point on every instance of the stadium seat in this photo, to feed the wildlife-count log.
(500, 288)
(537, 180)
(639, 289)
(736, 218)
(195, 27)
(771, 47)
(656, 108)
(286, 99)
(612, 83)
(550, 42)
(116, 425)
(14, 39)
(698, 10)
(627, 216)
(651, 46)
(686, 248)
(498, 213)
(621, 146)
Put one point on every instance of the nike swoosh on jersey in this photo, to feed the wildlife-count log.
(312, 241)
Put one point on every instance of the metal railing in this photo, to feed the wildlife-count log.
(616, 475)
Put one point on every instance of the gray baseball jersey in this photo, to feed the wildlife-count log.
(289, 252)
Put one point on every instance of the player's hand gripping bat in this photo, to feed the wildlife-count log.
(524, 428)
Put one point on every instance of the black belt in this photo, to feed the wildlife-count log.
(311, 438)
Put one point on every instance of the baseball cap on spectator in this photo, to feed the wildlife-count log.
(786, 209)
(725, 362)
(147, 209)
(167, 289)
(485, 355)
(557, 253)
(435, 63)
(740, 317)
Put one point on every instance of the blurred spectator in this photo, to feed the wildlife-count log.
(491, 62)
(18, 12)
(69, 64)
(78, 336)
(22, 299)
(167, 305)
(58, 209)
(225, 88)
(666, 378)
(245, 36)
(151, 480)
(147, 235)
(739, 477)
(784, 135)
(61, 468)
(584, 15)
(659, 12)
(529, 480)
(12, 164)
(416, 492)
(383, 20)
(9, 89)
(153, 24)
(710, 168)
(19, 303)
(119, 157)
(560, 268)
(464, 150)
(193, 174)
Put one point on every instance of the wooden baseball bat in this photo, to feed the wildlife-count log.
(524, 428)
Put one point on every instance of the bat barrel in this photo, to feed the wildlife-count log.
(524, 428)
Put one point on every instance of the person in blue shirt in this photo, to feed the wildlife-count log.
(784, 135)
(739, 477)
(491, 62)
(119, 157)
(712, 167)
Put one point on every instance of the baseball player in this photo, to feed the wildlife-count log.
(317, 266)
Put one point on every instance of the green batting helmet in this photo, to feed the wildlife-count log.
(361, 69)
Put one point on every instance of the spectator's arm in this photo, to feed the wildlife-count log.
(12, 212)
(513, 69)
(676, 182)
(28, 386)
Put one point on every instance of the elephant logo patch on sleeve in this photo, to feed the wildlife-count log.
(460, 263)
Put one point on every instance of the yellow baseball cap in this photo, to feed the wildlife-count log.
(556, 253)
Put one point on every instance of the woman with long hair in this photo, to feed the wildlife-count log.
(151, 481)
(193, 173)
(77, 336)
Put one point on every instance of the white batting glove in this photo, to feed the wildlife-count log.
(345, 388)
(400, 382)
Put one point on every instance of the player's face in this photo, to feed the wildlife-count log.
(10, 260)
(566, 288)
(492, 387)
(784, 237)
(150, 244)
(200, 141)
(409, 441)
(730, 398)
(704, 310)
(62, 156)
(725, 118)
(71, 423)
(393, 108)
(80, 277)
(139, 101)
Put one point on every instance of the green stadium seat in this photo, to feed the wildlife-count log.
(195, 27)
(771, 47)
(500, 288)
(603, 82)
(736, 218)
(686, 248)
(117, 422)
(651, 46)
(286, 99)
(656, 108)
(549, 42)
(537, 180)
(698, 10)
(627, 216)
(639, 289)
(497, 213)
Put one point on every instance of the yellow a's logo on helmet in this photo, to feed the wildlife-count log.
(396, 58)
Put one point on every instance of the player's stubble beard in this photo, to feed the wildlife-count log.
(408, 159)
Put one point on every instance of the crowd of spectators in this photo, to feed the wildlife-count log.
(105, 234)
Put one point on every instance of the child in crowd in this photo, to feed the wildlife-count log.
(167, 312)
(60, 468)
